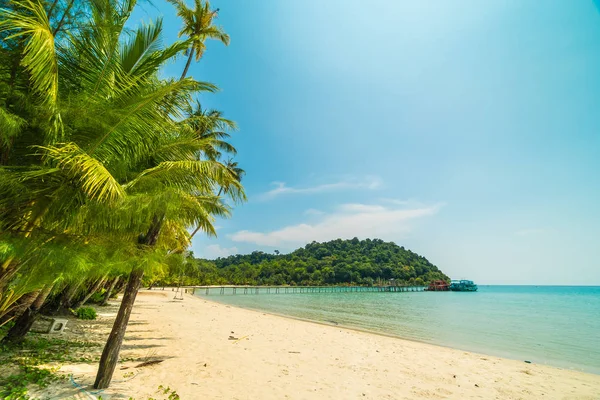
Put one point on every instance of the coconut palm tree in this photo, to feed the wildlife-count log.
(113, 168)
(212, 128)
(198, 26)
(237, 172)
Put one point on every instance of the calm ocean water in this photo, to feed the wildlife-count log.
(554, 325)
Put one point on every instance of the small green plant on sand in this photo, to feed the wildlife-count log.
(14, 387)
(28, 358)
(172, 394)
(86, 313)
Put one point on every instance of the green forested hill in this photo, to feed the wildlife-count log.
(339, 261)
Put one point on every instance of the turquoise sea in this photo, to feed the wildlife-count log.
(554, 325)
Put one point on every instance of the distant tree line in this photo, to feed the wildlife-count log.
(338, 262)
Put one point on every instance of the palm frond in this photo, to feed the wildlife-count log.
(39, 55)
(10, 126)
(147, 41)
(91, 175)
(201, 176)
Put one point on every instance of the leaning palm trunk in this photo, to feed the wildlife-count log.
(110, 354)
(94, 289)
(17, 306)
(7, 271)
(25, 321)
(110, 290)
(187, 65)
(67, 299)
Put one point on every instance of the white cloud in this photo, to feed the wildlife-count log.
(369, 183)
(214, 250)
(348, 221)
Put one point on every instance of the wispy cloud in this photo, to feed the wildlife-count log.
(348, 221)
(369, 183)
(215, 250)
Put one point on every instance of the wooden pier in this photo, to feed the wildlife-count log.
(254, 290)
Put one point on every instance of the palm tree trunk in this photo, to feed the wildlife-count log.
(25, 321)
(110, 290)
(110, 354)
(67, 299)
(187, 65)
(52, 9)
(7, 271)
(94, 289)
(18, 307)
(62, 20)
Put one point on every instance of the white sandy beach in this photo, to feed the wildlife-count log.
(281, 358)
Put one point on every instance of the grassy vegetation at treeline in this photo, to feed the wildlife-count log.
(361, 262)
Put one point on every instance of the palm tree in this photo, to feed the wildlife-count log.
(114, 170)
(212, 128)
(197, 25)
(237, 173)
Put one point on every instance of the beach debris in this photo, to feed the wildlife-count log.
(148, 363)
(528, 362)
(332, 322)
(527, 372)
(232, 337)
(454, 376)
(240, 339)
(294, 352)
(476, 385)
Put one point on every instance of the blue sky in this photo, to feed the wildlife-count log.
(465, 130)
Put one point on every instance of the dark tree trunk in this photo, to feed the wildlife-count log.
(25, 321)
(187, 65)
(62, 20)
(94, 289)
(119, 288)
(52, 9)
(67, 300)
(19, 307)
(7, 273)
(110, 290)
(110, 354)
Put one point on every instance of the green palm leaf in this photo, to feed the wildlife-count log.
(90, 174)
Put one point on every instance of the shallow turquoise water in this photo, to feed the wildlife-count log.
(554, 325)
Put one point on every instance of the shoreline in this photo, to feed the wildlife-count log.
(214, 350)
(371, 332)
(481, 352)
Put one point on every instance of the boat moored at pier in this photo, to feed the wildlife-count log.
(463, 286)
